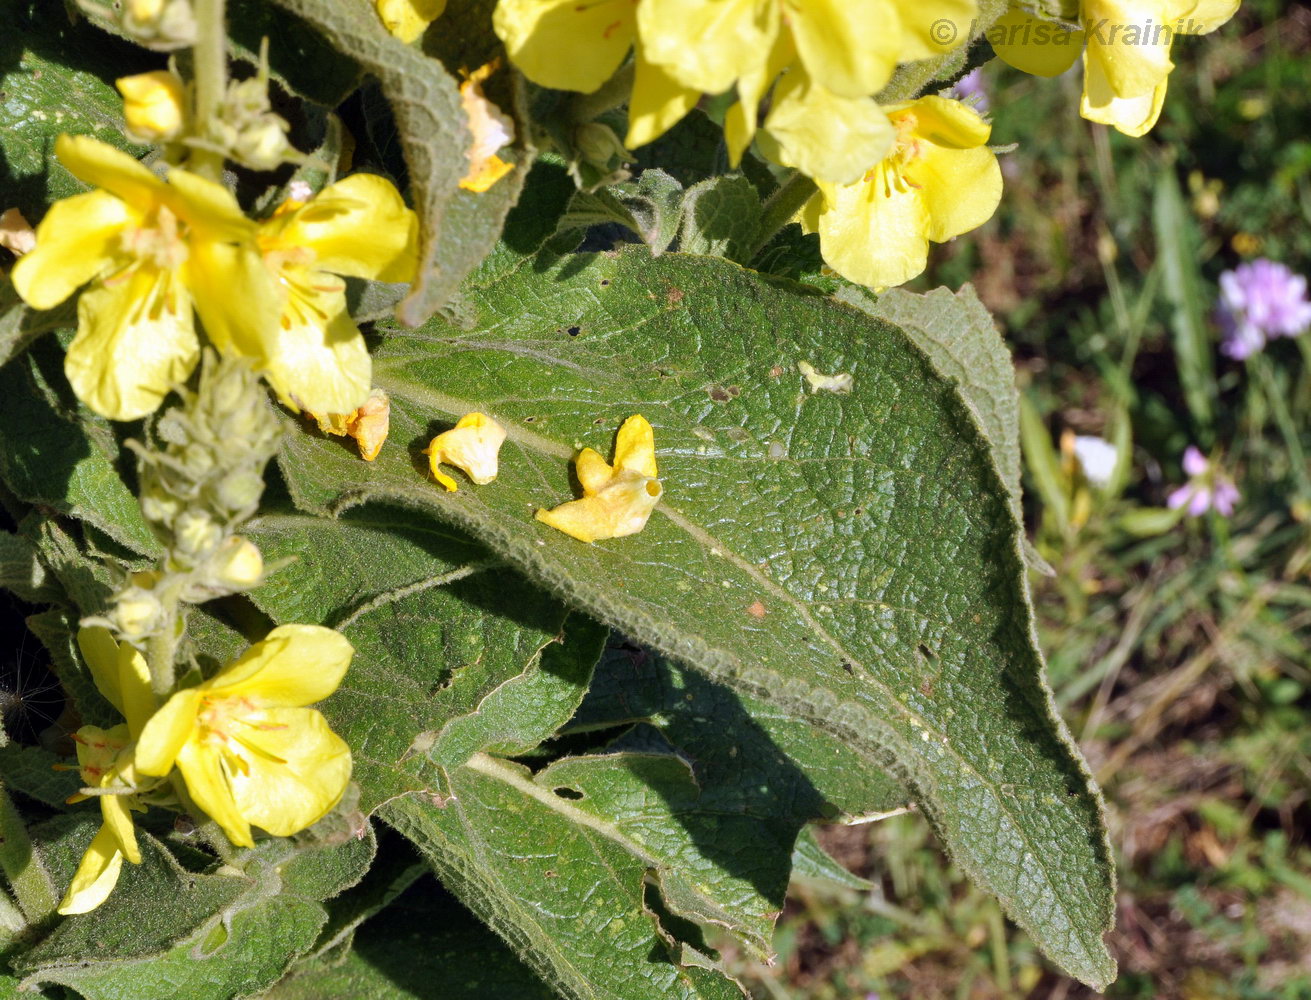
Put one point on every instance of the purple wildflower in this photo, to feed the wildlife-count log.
(1207, 488)
(1258, 301)
(971, 85)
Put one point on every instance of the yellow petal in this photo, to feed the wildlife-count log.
(296, 769)
(103, 166)
(210, 209)
(740, 119)
(930, 29)
(101, 654)
(473, 445)
(208, 783)
(658, 102)
(315, 356)
(563, 43)
(1033, 45)
(593, 471)
(358, 227)
(620, 509)
(827, 137)
(235, 324)
(1129, 44)
(118, 821)
(707, 44)
(850, 47)
(1134, 116)
(945, 122)
(95, 877)
(1204, 16)
(135, 689)
(408, 19)
(77, 240)
(874, 232)
(635, 447)
(135, 342)
(293, 665)
(166, 733)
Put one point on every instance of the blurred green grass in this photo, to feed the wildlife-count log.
(1178, 648)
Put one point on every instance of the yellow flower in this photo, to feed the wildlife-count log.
(310, 350)
(491, 130)
(106, 760)
(1126, 52)
(940, 180)
(408, 19)
(616, 500)
(367, 424)
(248, 749)
(143, 245)
(153, 105)
(472, 445)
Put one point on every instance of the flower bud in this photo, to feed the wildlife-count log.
(238, 565)
(153, 105)
(238, 493)
(196, 533)
(160, 24)
(137, 613)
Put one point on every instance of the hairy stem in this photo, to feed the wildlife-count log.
(611, 94)
(780, 208)
(161, 648)
(211, 69)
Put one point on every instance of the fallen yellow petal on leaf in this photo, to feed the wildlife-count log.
(473, 445)
(618, 499)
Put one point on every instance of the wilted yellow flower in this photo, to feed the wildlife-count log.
(16, 233)
(491, 130)
(367, 424)
(150, 250)
(408, 19)
(618, 499)
(309, 348)
(248, 749)
(105, 758)
(940, 180)
(154, 106)
(1126, 52)
(473, 445)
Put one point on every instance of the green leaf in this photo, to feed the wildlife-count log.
(299, 58)
(64, 458)
(957, 334)
(810, 861)
(716, 860)
(554, 882)
(1177, 242)
(21, 571)
(649, 207)
(19, 325)
(775, 763)
(456, 228)
(55, 76)
(425, 938)
(853, 559)
(166, 931)
(454, 653)
(57, 629)
(721, 217)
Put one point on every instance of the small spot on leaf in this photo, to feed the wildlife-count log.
(840, 383)
(756, 610)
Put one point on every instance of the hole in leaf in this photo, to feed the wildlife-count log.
(566, 792)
